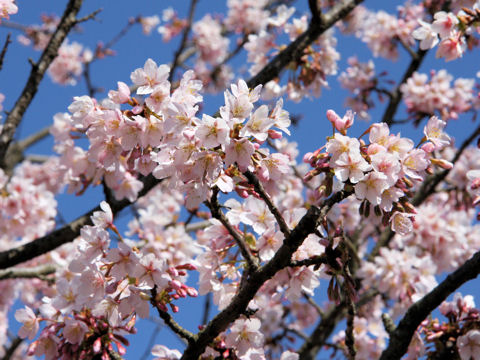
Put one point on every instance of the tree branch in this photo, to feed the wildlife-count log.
(217, 213)
(252, 179)
(396, 95)
(4, 50)
(11, 349)
(174, 326)
(65, 234)
(317, 260)
(402, 335)
(307, 225)
(28, 273)
(183, 41)
(294, 51)
(36, 75)
(319, 336)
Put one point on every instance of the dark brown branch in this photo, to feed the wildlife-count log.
(323, 330)
(4, 49)
(307, 225)
(388, 323)
(65, 234)
(174, 326)
(313, 5)
(294, 51)
(429, 185)
(27, 273)
(401, 337)
(16, 150)
(351, 312)
(14, 118)
(11, 349)
(183, 41)
(252, 179)
(217, 213)
(396, 95)
(317, 260)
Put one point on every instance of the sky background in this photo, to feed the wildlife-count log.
(131, 53)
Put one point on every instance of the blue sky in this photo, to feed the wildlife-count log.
(135, 48)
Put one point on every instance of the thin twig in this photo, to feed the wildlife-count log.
(252, 179)
(312, 302)
(14, 118)
(217, 213)
(184, 334)
(4, 49)
(183, 41)
(88, 17)
(324, 328)
(396, 95)
(34, 138)
(306, 226)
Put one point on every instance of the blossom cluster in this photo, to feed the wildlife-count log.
(27, 204)
(381, 173)
(461, 329)
(103, 289)
(161, 135)
(438, 95)
(360, 79)
(449, 31)
(382, 31)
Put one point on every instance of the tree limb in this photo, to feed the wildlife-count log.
(252, 179)
(396, 95)
(65, 234)
(217, 213)
(14, 118)
(402, 335)
(4, 50)
(183, 41)
(239, 303)
(28, 273)
(294, 51)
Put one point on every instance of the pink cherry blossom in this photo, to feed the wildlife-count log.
(30, 323)
(434, 132)
(149, 77)
(7, 7)
(371, 187)
(469, 345)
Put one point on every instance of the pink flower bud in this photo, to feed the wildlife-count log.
(137, 109)
(341, 124)
(274, 134)
(444, 164)
(97, 345)
(428, 147)
(307, 157)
